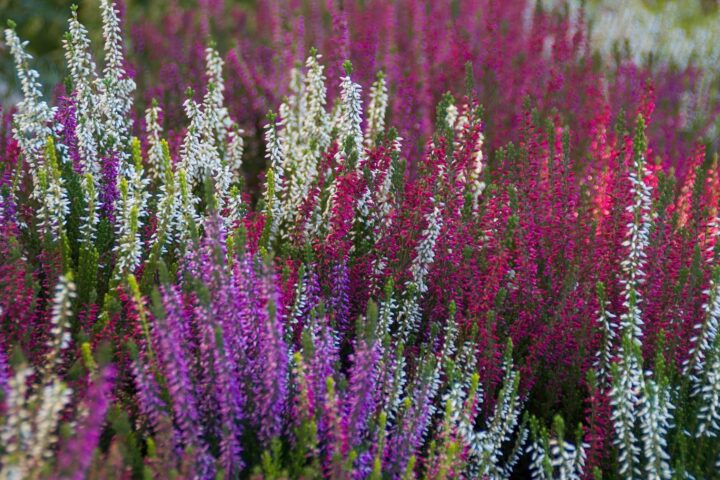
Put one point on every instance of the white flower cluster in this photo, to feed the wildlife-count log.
(484, 448)
(416, 287)
(351, 115)
(709, 393)
(54, 204)
(28, 430)
(84, 76)
(636, 396)
(296, 144)
(211, 147)
(305, 129)
(131, 207)
(30, 425)
(655, 422)
(60, 318)
(33, 115)
(637, 238)
(33, 133)
(626, 400)
(116, 88)
(557, 459)
(376, 110)
(156, 167)
(704, 341)
(471, 178)
(604, 356)
(703, 365)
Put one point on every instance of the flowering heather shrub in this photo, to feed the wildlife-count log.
(540, 304)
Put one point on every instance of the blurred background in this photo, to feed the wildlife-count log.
(652, 31)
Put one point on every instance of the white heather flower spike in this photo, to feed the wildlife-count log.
(90, 219)
(131, 208)
(234, 154)
(129, 246)
(303, 134)
(316, 125)
(351, 108)
(214, 101)
(476, 185)
(709, 393)
(154, 136)
(703, 366)
(191, 150)
(708, 332)
(603, 357)
(33, 115)
(116, 88)
(566, 460)
(416, 287)
(635, 398)
(15, 434)
(112, 36)
(30, 424)
(626, 398)
(655, 423)
(484, 447)
(637, 239)
(376, 110)
(184, 211)
(275, 158)
(213, 146)
(83, 73)
(60, 319)
(54, 206)
(292, 145)
(311, 138)
(167, 203)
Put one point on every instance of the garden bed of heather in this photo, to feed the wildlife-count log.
(460, 245)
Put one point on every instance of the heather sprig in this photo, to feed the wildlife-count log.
(31, 123)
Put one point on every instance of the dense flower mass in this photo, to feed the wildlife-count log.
(459, 246)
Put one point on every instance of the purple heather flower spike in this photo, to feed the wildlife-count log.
(173, 355)
(65, 124)
(360, 401)
(76, 453)
(340, 299)
(109, 186)
(4, 374)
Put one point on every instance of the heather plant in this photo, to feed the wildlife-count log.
(538, 305)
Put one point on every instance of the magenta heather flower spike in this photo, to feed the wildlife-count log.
(340, 45)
